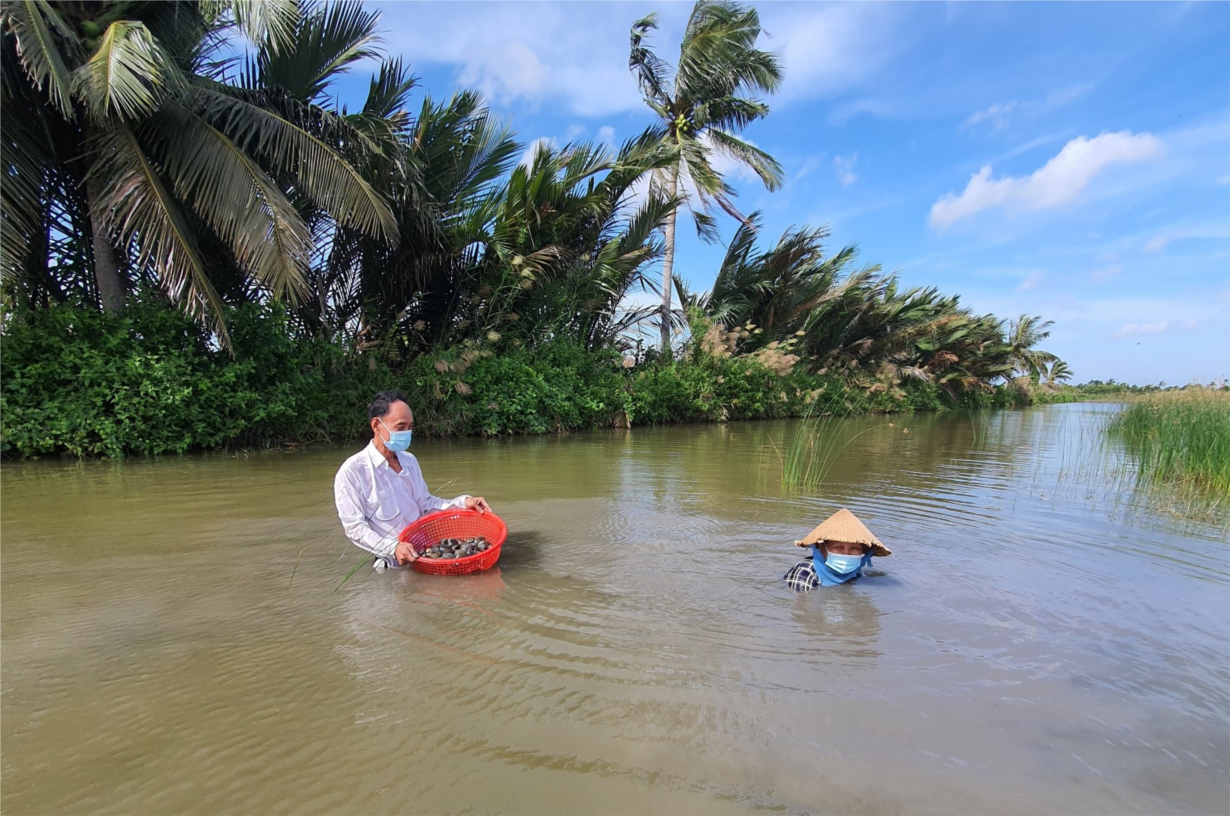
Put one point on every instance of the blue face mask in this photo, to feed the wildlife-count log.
(843, 564)
(398, 441)
(836, 569)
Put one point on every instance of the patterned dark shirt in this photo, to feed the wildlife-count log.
(802, 577)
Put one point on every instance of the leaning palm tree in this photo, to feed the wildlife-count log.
(793, 289)
(123, 113)
(1023, 334)
(1057, 373)
(567, 244)
(703, 102)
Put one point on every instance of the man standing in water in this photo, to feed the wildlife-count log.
(380, 489)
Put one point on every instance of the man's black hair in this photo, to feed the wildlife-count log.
(382, 402)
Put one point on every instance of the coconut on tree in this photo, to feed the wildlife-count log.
(703, 102)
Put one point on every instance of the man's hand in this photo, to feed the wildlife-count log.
(404, 553)
(477, 503)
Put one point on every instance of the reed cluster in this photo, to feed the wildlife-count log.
(821, 439)
(1180, 437)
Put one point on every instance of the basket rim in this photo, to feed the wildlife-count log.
(423, 521)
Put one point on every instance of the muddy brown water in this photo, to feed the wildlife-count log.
(1035, 644)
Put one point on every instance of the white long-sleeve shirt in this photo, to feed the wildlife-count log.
(375, 503)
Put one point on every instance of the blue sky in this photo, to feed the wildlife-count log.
(1064, 159)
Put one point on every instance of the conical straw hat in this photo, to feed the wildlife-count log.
(845, 526)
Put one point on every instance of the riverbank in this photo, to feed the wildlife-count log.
(84, 383)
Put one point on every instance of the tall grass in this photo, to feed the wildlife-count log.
(1180, 437)
(817, 445)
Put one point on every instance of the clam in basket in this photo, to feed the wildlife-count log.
(434, 528)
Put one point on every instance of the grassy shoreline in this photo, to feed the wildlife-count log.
(1181, 438)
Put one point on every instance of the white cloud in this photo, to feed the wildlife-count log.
(810, 164)
(1142, 329)
(1153, 329)
(606, 135)
(999, 113)
(1065, 95)
(825, 50)
(845, 169)
(575, 55)
(1179, 232)
(571, 55)
(1158, 242)
(539, 144)
(876, 107)
(1031, 281)
(1104, 273)
(1058, 182)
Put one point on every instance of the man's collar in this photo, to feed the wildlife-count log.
(377, 457)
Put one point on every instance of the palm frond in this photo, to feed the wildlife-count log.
(230, 191)
(718, 57)
(324, 41)
(652, 73)
(25, 160)
(389, 90)
(128, 75)
(30, 22)
(270, 22)
(747, 154)
(137, 207)
(326, 177)
(728, 113)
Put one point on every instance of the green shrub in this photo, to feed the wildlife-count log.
(476, 390)
(79, 382)
(84, 382)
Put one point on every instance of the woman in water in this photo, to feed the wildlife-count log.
(840, 548)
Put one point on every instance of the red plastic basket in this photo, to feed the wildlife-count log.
(435, 527)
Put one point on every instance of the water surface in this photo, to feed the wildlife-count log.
(1034, 645)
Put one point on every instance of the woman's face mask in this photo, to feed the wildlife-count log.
(398, 441)
(843, 564)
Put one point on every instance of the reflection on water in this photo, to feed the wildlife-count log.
(1029, 647)
(839, 623)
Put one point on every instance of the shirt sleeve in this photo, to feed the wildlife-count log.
(426, 502)
(350, 510)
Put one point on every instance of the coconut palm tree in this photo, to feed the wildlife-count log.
(1023, 334)
(121, 121)
(1057, 373)
(491, 248)
(564, 246)
(703, 102)
(458, 152)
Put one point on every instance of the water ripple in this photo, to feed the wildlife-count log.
(636, 650)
